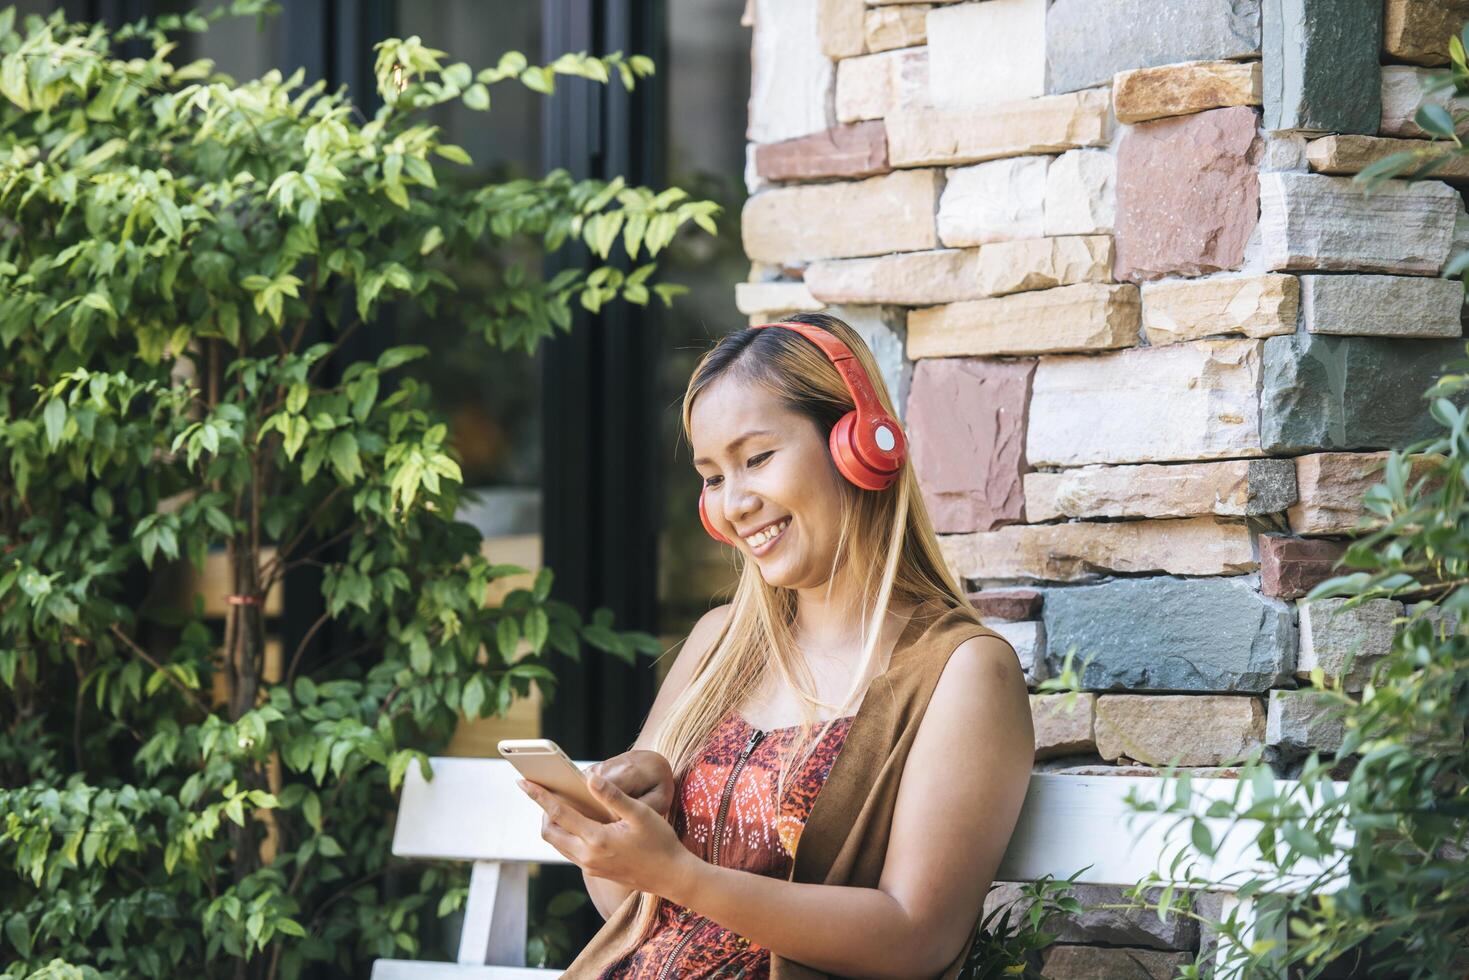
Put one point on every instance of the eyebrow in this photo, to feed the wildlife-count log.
(701, 461)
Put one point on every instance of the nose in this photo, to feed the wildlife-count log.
(739, 502)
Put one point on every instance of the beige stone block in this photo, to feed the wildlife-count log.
(1403, 96)
(1085, 316)
(1419, 30)
(1063, 728)
(1343, 155)
(1083, 550)
(791, 80)
(754, 298)
(1230, 488)
(903, 279)
(1186, 309)
(983, 53)
(1191, 730)
(1043, 263)
(1081, 196)
(888, 28)
(1192, 401)
(873, 86)
(1051, 124)
(891, 213)
(841, 25)
(1382, 306)
(1177, 90)
(998, 201)
(1332, 486)
(1333, 634)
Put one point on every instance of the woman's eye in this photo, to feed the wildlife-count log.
(712, 481)
(759, 458)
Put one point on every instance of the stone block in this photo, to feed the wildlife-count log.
(1179, 90)
(754, 298)
(966, 427)
(876, 85)
(1006, 605)
(1081, 196)
(1298, 722)
(1171, 634)
(1382, 306)
(842, 27)
(1230, 488)
(883, 329)
(896, 27)
(1187, 729)
(1283, 151)
(1291, 567)
(859, 150)
(1028, 639)
(1061, 728)
(1310, 221)
(1086, 316)
(918, 137)
(1419, 30)
(1332, 487)
(1042, 263)
(1323, 392)
(1099, 924)
(1331, 635)
(1191, 401)
(790, 78)
(1187, 194)
(1145, 772)
(903, 279)
(996, 201)
(1321, 71)
(1089, 41)
(1187, 309)
(891, 213)
(981, 53)
(1403, 94)
(1085, 550)
(1348, 154)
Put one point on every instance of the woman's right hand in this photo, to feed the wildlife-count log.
(642, 774)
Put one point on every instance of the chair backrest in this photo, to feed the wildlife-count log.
(473, 811)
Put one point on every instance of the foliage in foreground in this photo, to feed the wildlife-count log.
(184, 261)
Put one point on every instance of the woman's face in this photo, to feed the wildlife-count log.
(767, 471)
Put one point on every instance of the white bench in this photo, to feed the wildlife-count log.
(473, 811)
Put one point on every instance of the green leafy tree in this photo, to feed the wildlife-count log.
(182, 258)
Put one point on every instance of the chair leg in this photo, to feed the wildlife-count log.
(496, 914)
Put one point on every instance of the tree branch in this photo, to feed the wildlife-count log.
(187, 691)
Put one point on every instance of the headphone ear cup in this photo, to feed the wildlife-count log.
(848, 463)
(708, 524)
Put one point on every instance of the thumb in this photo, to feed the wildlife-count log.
(606, 791)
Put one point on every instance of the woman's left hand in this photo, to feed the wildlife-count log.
(639, 849)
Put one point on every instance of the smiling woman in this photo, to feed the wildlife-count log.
(844, 745)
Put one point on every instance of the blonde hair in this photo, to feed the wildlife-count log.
(887, 532)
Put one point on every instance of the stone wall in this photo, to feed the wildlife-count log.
(1149, 337)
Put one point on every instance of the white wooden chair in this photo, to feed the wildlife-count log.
(473, 811)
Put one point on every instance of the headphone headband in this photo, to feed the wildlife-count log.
(842, 358)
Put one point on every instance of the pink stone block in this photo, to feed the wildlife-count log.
(966, 423)
(1188, 194)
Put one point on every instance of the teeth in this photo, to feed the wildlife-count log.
(756, 540)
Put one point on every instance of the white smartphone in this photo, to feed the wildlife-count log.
(541, 760)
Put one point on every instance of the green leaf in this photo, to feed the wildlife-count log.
(432, 239)
(54, 417)
(19, 934)
(345, 458)
(507, 637)
(477, 97)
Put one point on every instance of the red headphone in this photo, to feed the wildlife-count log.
(867, 444)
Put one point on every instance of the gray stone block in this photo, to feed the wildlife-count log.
(1089, 41)
(1320, 65)
(1324, 392)
(1164, 633)
(1297, 722)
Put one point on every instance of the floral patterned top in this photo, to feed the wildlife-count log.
(731, 789)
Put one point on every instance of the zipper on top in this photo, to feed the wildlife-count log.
(724, 801)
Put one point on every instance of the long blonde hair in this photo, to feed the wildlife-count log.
(887, 532)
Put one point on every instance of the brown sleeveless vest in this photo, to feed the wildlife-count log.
(846, 835)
